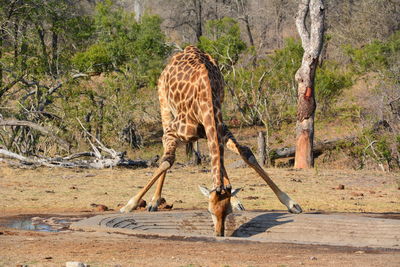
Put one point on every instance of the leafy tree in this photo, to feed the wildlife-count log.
(222, 41)
(124, 45)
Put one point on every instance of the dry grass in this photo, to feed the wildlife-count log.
(45, 190)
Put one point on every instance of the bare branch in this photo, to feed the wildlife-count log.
(317, 15)
(45, 130)
(301, 23)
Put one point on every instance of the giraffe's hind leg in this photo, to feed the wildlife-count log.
(248, 156)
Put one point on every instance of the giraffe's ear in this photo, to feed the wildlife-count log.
(204, 191)
(235, 191)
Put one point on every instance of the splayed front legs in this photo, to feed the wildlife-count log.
(248, 156)
(133, 202)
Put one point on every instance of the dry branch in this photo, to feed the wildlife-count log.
(96, 159)
(67, 162)
(42, 129)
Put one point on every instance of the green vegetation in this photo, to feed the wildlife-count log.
(222, 41)
(59, 64)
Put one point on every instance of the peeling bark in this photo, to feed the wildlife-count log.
(312, 40)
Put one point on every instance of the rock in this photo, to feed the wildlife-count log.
(313, 258)
(340, 187)
(356, 194)
(99, 207)
(76, 264)
(251, 197)
(142, 203)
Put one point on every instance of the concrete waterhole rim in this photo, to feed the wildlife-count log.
(353, 230)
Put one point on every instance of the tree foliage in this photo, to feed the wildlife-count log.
(222, 41)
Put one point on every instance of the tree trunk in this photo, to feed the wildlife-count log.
(306, 104)
(199, 18)
(138, 8)
(2, 33)
(45, 61)
(262, 155)
(54, 54)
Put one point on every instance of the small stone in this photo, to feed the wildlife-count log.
(356, 194)
(372, 192)
(340, 187)
(75, 264)
(48, 258)
(313, 258)
(142, 203)
(359, 252)
(251, 197)
(99, 207)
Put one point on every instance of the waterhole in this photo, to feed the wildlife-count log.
(41, 223)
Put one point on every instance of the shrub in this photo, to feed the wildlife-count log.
(222, 41)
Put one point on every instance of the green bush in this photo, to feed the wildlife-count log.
(374, 56)
(125, 45)
(330, 81)
(266, 93)
(222, 41)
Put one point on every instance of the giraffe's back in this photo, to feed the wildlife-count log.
(188, 83)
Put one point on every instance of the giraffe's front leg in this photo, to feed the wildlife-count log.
(133, 202)
(248, 156)
(157, 200)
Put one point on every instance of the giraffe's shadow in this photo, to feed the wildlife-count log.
(260, 224)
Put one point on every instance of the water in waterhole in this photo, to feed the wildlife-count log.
(41, 223)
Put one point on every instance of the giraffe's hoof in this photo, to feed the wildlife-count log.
(152, 208)
(296, 209)
(132, 204)
(125, 209)
(154, 205)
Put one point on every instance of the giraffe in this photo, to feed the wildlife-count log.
(191, 91)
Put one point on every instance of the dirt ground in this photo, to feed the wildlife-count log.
(56, 191)
(101, 249)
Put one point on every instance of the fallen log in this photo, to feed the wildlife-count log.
(96, 159)
(318, 149)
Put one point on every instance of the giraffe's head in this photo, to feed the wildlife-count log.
(219, 205)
